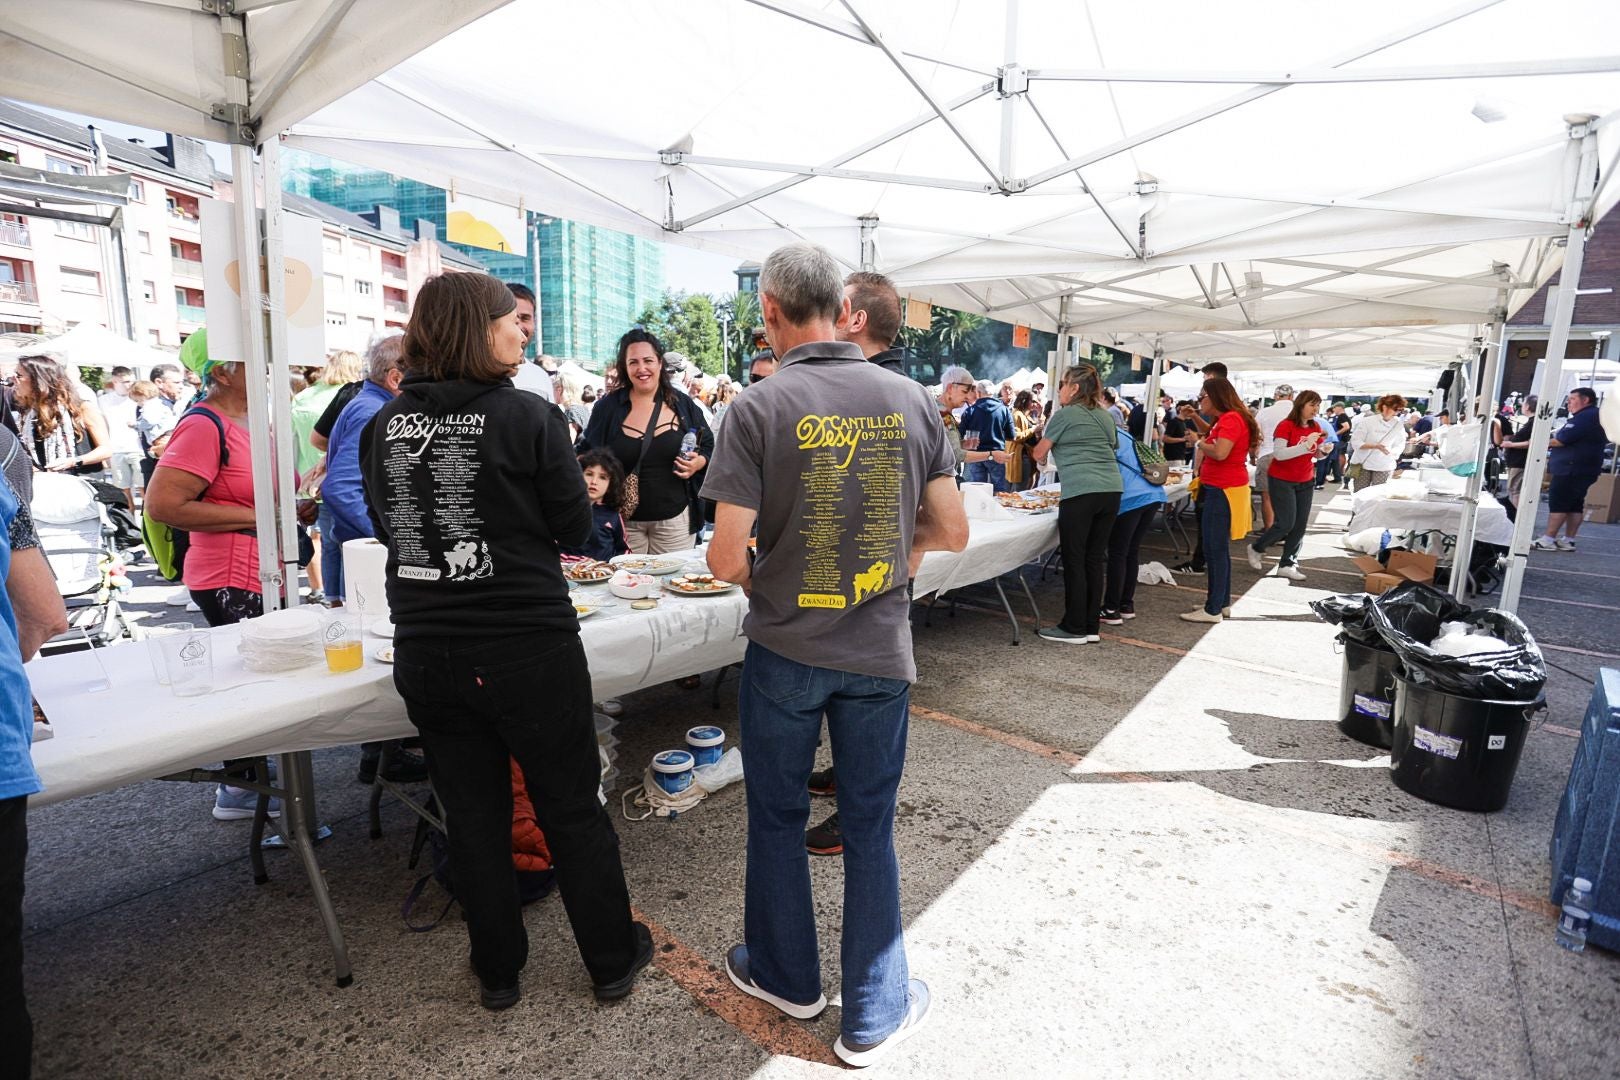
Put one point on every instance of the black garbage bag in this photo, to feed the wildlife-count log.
(1352, 614)
(1408, 618)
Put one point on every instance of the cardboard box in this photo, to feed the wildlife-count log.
(1402, 566)
(1603, 499)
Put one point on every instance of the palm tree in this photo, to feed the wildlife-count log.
(952, 329)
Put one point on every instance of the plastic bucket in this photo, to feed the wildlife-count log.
(672, 771)
(1367, 694)
(707, 744)
(1456, 751)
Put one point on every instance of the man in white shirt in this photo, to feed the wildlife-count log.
(685, 376)
(1268, 418)
(121, 412)
(530, 376)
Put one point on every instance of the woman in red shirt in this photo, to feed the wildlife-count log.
(1223, 477)
(1296, 445)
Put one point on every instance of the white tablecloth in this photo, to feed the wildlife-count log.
(139, 730)
(1430, 514)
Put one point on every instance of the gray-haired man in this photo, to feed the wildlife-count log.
(850, 479)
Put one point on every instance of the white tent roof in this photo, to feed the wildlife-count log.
(1321, 166)
(93, 345)
(160, 63)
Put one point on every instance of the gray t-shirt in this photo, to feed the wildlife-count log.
(833, 453)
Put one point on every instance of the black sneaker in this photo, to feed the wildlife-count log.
(1112, 618)
(619, 987)
(404, 768)
(496, 1000)
(1127, 613)
(1188, 567)
(824, 782)
(826, 838)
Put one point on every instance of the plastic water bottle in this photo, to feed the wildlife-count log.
(1576, 916)
(689, 442)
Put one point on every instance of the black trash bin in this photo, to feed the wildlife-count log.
(1367, 693)
(1457, 751)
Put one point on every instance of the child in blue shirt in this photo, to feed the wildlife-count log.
(604, 483)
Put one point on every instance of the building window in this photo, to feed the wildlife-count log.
(362, 288)
(143, 242)
(137, 190)
(360, 252)
(336, 318)
(334, 284)
(365, 327)
(149, 291)
(78, 230)
(62, 165)
(332, 245)
(8, 154)
(81, 281)
(157, 338)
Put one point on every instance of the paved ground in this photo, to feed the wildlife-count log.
(1152, 857)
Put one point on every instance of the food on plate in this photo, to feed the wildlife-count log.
(587, 571)
(1037, 499)
(697, 584)
(648, 564)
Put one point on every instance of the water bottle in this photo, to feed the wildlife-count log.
(689, 442)
(1576, 917)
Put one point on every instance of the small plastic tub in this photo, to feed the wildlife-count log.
(672, 771)
(707, 744)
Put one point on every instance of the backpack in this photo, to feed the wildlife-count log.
(166, 544)
(1150, 462)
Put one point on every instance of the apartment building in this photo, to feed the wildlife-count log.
(55, 275)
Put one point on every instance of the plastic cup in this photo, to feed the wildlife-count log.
(340, 637)
(154, 650)
(188, 659)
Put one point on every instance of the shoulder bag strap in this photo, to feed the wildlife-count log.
(647, 436)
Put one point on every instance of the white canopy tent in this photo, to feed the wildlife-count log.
(92, 345)
(1178, 177)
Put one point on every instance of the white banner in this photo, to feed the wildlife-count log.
(222, 283)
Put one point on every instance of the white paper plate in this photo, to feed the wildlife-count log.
(730, 586)
(650, 564)
(383, 628)
(585, 611)
(385, 654)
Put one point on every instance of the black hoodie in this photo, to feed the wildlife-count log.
(473, 486)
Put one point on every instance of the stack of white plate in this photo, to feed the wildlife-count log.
(281, 641)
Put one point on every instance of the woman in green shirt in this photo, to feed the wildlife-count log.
(1081, 436)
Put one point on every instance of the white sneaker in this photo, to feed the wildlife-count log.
(179, 598)
(1565, 543)
(861, 1055)
(1255, 562)
(1544, 543)
(1293, 573)
(1200, 615)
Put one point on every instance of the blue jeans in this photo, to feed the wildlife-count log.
(782, 703)
(986, 472)
(331, 556)
(1216, 532)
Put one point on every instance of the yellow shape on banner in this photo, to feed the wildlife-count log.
(463, 228)
(1020, 337)
(919, 314)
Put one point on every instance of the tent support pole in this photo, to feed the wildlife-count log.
(1583, 148)
(275, 260)
(868, 242)
(1490, 388)
(1060, 359)
(1150, 403)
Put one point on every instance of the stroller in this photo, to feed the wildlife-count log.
(80, 541)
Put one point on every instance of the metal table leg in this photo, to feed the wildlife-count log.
(1033, 607)
(297, 823)
(1006, 606)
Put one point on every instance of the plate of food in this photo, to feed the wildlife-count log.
(698, 585)
(1031, 501)
(585, 611)
(587, 572)
(657, 565)
(385, 654)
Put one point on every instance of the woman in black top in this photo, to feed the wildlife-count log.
(669, 513)
(472, 485)
(59, 431)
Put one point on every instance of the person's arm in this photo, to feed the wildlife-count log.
(1218, 449)
(35, 601)
(343, 492)
(317, 440)
(1281, 451)
(728, 550)
(560, 484)
(175, 498)
(95, 425)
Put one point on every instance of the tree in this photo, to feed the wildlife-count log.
(686, 324)
(740, 314)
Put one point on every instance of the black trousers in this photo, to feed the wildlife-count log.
(16, 1028)
(1084, 522)
(1125, 555)
(479, 702)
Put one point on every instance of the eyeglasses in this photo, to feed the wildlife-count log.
(1203, 396)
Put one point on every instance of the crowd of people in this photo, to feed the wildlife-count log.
(469, 463)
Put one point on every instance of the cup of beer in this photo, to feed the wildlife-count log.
(340, 635)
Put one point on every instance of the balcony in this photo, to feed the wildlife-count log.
(18, 292)
(14, 233)
(396, 307)
(178, 216)
(191, 313)
(187, 267)
(394, 273)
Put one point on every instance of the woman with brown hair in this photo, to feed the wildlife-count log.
(1026, 429)
(1223, 473)
(1376, 443)
(1082, 436)
(472, 484)
(58, 429)
(1291, 463)
(643, 423)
